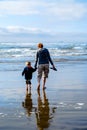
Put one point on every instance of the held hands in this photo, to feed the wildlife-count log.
(35, 67)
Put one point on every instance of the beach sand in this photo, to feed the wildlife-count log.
(62, 106)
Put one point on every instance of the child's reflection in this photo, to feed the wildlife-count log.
(43, 115)
(27, 104)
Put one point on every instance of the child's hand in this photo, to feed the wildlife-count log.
(35, 68)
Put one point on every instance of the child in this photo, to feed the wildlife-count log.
(28, 70)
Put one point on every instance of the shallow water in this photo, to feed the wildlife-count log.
(52, 110)
(63, 105)
(14, 55)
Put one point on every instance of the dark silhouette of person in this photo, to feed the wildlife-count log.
(27, 104)
(43, 59)
(28, 73)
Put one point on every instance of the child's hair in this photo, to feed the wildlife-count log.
(28, 63)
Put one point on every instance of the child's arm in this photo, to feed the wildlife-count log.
(34, 69)
(23, 72)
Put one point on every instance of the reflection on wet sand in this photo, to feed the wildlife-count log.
(44, 114)
(27, 104)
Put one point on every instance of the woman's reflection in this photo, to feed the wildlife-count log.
(27, 104)
(43, 114)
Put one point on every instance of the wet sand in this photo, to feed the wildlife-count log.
(62, 106)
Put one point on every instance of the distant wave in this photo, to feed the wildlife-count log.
(14, 55)
(59, 50)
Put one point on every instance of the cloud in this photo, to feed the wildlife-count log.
(23, 34)
(63, 9)
(12, 30)
(67, 11)
(17, 8)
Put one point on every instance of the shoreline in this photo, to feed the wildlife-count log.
(65, 99)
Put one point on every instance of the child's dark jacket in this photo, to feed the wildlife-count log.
(28, 72)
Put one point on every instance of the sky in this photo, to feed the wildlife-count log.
(33, 20)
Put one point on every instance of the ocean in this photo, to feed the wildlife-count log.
(14, 55)
(62, 106)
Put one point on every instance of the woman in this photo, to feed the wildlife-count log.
(43, 58)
